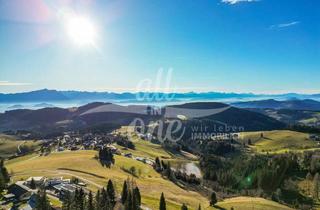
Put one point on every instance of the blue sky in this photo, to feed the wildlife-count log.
(265, 46)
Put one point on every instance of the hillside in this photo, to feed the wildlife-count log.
(94, 114)
(244, 203)
(295, 104)
(59, 119)
(80, 163)
(309, 118)
(279, 141)
(219, 117)
(10, 146)
(83, 165)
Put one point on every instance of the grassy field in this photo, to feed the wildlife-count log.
(78, 163)
(151, 184)
(83, 165)
(279, 141)
(146, 149)
(9, 145)
(246, 203)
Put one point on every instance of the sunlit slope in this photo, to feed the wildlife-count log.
(83, 165)
(9, 145)
(245, 203)
(278, 141)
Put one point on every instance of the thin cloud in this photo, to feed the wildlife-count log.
(7, 83)
(284, 25)
(237, 1)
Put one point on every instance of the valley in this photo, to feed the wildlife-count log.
(70, 144)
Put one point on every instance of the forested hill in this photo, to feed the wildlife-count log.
(98, 113)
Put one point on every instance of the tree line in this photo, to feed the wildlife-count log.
(105, 157)
(4, 176)
(105, 199)
(165, 169)
(264, 175)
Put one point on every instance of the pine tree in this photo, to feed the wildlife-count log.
(42, 202)
(98, 200)
(106, 157)
(81, 199)
(316, 186)
(66, 204)
(3, 171)
(90, 205)
(32, 184)
(2, 183)
(213, 200)
(124, 193)
(158, 166)
(129, 202)
(169, 173)
(73, 200)
(137, 197)
(184, 207)
(162, 205)
(111, 192)
(199, 208)
(164, 165)
(104, 202)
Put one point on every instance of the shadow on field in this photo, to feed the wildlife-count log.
(84, 172)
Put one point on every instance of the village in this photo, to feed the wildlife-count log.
(22, 193)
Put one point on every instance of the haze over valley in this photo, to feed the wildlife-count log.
(159, 105)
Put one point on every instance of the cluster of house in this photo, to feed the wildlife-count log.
(24, 191)
(147, 136)
(87, 141)
(314, 137)
(77, 141)
(145, 160)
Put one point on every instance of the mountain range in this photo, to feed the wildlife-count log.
(46, 95)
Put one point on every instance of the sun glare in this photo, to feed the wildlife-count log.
(81, 30)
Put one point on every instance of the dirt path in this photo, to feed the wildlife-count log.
(19, 150)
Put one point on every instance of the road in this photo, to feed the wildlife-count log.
(19, 150)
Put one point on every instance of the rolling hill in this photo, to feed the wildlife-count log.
(83, 165)
(244, 203)
(50, 119)
(79, 163)
(219, 114)
(10, 146)
(295, 104)
(288, 116)
(279, 141)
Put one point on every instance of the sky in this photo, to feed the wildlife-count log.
(258, 46)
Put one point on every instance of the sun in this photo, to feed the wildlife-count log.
(81, 30)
